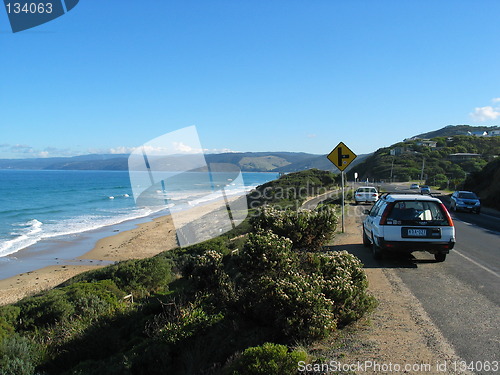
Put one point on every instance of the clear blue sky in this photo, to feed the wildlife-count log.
(252, 75)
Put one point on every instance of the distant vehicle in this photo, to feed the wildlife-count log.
(465, 201)
(424, 189)
(366, 194)
(407, 223)
(414, 186)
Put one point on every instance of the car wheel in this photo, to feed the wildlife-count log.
(440, 257)
(356, 202)
(377, 251)
(366, 240)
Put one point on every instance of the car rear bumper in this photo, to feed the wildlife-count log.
(366, 199)
(468, 208)
(431, 246)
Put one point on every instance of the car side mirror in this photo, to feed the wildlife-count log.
(366, 212)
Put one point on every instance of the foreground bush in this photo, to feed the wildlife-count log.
(301, 296)
(265, 360)
(344, 282)
(18, 356)
(308, 230)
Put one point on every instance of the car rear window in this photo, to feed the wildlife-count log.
(367, 190)
(417, 212)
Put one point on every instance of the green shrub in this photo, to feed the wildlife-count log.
(8, 318)
(266, 253)
(18, 356)
(44, 310)
(186, 322)
(185, 257)
(138, 275)
(210, 278)
(82, 299)
(344, 282)
(275, 291)
(308, 230)
(266, 359)
(6, 329)
(294, 306)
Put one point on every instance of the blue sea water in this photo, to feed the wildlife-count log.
(39, 205)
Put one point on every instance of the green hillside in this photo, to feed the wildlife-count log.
(318, 162)
(403, 161)
(262, 163)
(486, 184)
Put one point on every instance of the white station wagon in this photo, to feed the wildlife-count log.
(365, 194)
(407, 223)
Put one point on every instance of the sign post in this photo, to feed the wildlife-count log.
(341, 156)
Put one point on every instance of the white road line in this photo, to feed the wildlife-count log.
(477, 264)
(491, 216)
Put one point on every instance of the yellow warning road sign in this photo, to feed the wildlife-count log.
(341, 156)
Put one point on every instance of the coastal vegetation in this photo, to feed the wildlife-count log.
(292, 189)
(236, 304)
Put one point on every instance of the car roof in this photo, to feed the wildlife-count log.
(369, 187)
(409, 197)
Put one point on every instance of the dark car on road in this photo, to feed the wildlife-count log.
(465, 201)
(425, 189)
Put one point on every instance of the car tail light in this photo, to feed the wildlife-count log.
(388, 209)
(374, 195)
(448, 217)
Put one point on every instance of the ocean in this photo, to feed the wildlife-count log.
(41, 206)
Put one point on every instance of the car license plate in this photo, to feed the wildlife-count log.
(420, 232)
(411, 232)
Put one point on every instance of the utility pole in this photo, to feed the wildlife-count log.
(392, 166)
(422, 173)
(342, 176)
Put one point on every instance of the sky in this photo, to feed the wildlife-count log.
(251, 75)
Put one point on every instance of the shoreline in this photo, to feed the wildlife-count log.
(139, 240)
(127, 244)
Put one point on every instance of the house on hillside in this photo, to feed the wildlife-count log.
(426, 142)
(478, 134)
(400, 150)
(462, 156)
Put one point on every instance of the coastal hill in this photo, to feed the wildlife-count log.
(247, 161)
(451, 130)
(446, 160)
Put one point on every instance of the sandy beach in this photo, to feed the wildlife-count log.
(146, 240)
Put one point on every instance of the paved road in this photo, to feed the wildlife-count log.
(461, 295)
